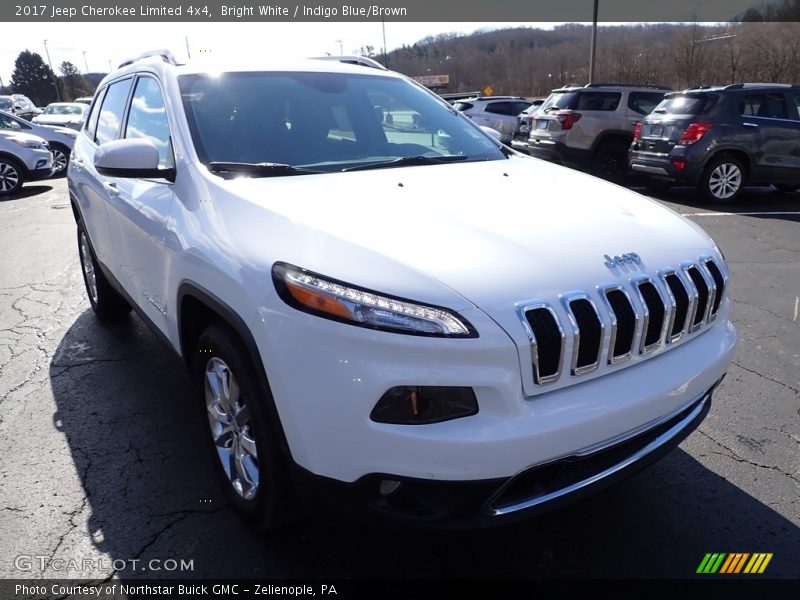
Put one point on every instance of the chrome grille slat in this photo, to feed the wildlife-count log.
(582, 311)
(682, 299)
(535, 318)
(719, 284)
(646, 313)
(622, 333)
(703, 296)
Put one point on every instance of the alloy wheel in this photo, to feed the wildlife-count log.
(725, 180)
(9, 177)
(229, 420)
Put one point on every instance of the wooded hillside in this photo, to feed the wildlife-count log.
(531, 62)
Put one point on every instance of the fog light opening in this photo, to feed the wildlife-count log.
(420, 405)
(388, 487)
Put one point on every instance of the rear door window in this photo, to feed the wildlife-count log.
(605, 101)
(501, 108)
(768, 106)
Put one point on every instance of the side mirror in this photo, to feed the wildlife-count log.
(137, 157)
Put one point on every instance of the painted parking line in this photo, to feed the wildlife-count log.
(733, 214)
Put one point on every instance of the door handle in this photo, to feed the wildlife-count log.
(111, 188)
(750, 124)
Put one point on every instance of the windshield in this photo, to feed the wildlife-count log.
(63, 110)
(5, 103)
(324, 121)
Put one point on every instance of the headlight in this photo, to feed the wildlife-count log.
(28, 143)
(343, 302)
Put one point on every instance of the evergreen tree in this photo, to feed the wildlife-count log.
(33, 78)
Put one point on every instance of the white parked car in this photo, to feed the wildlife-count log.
(374, 311)
(63, 114)
(23, 157)
(60, 139)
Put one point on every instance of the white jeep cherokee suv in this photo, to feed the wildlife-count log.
(368, 306)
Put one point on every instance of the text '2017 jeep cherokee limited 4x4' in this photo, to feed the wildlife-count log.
(359, 318)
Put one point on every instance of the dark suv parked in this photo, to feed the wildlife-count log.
(721, 139)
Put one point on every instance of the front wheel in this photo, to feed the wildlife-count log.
(240, 432)
(11, 176)
(60, 160)
(610, 160)
(723, 180)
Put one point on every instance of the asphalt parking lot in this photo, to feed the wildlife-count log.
(99, 457)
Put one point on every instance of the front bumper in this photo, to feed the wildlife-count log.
(326, 378)
(458, 505)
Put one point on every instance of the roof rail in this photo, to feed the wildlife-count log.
(460, 95)
(164, 55)
(638, 85)
(363, 61)
(740, 86)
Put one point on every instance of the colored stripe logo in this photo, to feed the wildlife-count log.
(734, 563)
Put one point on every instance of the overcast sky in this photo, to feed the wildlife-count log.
(104, 42)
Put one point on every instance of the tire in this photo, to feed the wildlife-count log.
(610, 160)
(60, 159)
(723, 180)
(241, 437)
(106, 302)
(12, 176)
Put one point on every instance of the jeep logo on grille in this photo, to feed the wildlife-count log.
(630, 258)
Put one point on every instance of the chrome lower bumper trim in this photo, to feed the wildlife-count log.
(697, 407)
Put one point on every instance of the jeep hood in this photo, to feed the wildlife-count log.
(497, 232)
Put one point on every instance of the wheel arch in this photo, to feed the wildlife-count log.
(197, 308)
(612, 135)
(16, 161)
(735, 152)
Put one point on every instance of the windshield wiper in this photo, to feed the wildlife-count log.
(407, 161)
(263, 169)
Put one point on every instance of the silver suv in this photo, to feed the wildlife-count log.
(590, 126)
(496, 112)
(23, 157)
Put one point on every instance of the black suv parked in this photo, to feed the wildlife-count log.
(721, 139)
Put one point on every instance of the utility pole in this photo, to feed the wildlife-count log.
(594, 44)
(385, 49)
(85, 63)
(188, 52)
(52, 72)
(341, 50)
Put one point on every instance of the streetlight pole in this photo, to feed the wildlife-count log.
(341, 50)
(53, 73)
(385, 49)
(85, 62)
(594, 44)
